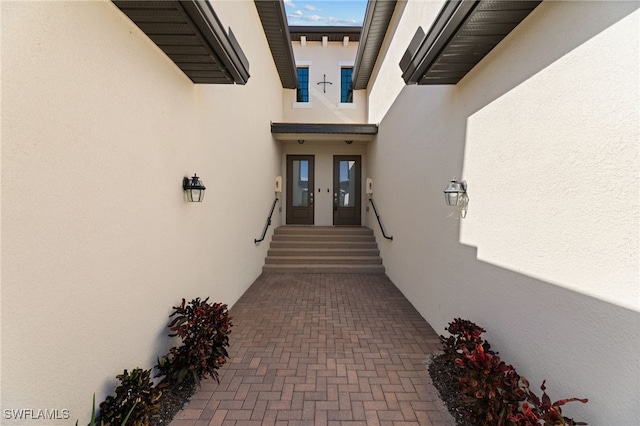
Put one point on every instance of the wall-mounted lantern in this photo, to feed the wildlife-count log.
(194, 189)
(456, 195)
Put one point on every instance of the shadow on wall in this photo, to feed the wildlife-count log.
(583, 346)
(547, 133)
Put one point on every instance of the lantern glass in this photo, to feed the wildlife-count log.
(452, 198)
(196, 195)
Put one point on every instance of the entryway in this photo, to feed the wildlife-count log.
(323, 189)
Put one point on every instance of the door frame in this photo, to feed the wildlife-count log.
(300, 215)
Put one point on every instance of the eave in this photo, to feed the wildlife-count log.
(274, 24)
(324, 132)
(191, 35)
(376, 22)
(464, 32)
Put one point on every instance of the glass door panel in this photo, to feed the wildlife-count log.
(300, 209)
(347, 177)
(300, 183)
(346, 190)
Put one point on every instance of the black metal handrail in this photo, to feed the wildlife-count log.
(266, 226)
(384, 234)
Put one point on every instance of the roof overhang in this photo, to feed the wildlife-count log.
(323, 132)
(376, 22)
(191, 35)
(464, 32)
(274, 23)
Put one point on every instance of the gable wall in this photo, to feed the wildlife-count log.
(324, 105)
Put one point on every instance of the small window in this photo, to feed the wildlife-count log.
(302, 93)
(346, 92)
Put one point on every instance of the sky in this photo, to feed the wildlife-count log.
(325, 12)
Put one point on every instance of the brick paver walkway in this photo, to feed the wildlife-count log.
(322, 349)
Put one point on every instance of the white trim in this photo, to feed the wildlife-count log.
(302, 64)
(346, 105)
(303, 41)
(301, 105)
(346, 64)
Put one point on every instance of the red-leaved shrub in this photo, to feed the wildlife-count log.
(491, 391)
(204, 329)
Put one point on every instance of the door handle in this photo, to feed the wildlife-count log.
(335, 201)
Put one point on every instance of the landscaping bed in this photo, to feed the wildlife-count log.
(444, 378)
(480, 389)
(173, 400)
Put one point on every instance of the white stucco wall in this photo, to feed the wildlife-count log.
(545, 131)
(324, 105)
(572, 158)
(98, 129)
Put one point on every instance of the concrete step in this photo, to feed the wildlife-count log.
(328, 230)
(324, 244)
(296, 251)
(313, 260)
(326, 269)
(323, 237)
(324, 249)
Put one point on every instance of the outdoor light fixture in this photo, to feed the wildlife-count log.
(348, 142)
(193, 188)
(300, 141)
(456, 195)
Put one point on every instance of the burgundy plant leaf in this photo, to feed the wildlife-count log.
(564, 401)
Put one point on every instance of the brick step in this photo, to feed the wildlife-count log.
(314, 260)
(324, 269)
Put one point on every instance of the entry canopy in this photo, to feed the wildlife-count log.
(325, 132)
